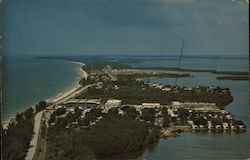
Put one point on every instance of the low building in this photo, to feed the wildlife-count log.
(151, 105)
(83, 101)
(113, 102)
(195, 127)
(225, 126)
(176, 103)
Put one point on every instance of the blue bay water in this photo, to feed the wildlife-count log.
(26, 81)
(206, 145)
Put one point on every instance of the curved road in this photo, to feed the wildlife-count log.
(38, 118)
(33, 142)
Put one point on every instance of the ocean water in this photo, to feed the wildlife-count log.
(207, 145)
(26, 81)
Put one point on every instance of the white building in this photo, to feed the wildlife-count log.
(151, 105)
(176, 103)
(113, 102)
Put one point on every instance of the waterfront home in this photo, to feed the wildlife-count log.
(195, 126)
(166, 89)
(218, 127)
(209, 124)
(242, 127)
(225, 126)
(233, 127)
(229, 116)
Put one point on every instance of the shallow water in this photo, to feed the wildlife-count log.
(26, 81)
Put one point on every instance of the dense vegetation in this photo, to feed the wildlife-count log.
(134, 92)
(114, 134)
(16, 138)
(198, 70)
(238, 77)
(147, 75)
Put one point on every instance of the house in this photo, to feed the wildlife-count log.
(111, 104)
(201, 126)
(209, 124)
(242, 126)
(195, 127)
(176, 103)
(71, 109)
(171, 113)
(120, 112)
(166, 89)
(218, 127)
(225, 126)
(58, 107)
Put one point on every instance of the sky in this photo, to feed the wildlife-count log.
(121, 27)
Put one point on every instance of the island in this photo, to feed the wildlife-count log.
(234, 77)
(114, 111)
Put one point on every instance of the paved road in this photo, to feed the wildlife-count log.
(33, 142)
(72, 95)
(37, 124)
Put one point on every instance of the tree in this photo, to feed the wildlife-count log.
(40, 106)
(28, 113)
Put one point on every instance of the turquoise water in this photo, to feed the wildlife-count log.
(27, 81)
(207, 145)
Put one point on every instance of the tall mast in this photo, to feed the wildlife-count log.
(178, 69)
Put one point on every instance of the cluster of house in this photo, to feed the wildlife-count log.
(198, 89)
(98, 76)
(226, 126)
(207, 111)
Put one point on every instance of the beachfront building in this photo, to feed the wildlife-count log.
(84, 101)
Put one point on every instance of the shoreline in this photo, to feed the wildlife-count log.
(72, 88)
(57, 96)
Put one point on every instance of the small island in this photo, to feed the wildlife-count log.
(235, 77)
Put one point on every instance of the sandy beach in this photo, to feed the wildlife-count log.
(61, 95)
(67, 92)
(60, 98)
